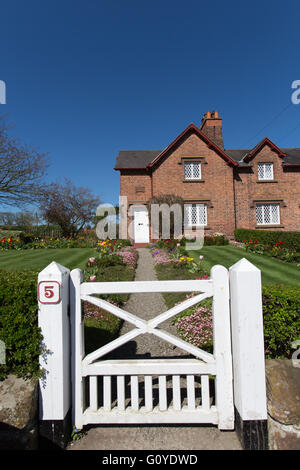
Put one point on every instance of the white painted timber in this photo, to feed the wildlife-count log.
(205, 396)
(248, 341)
(134, 387)
(133, 287)
(190, 383)
(149, 367)
(217, 364)
(77, 341)
(148, 393)
(162, 384)
(55, 390)
(93, 393)
(222, 347)
(176, 392)
(155, 416)
(121, 392)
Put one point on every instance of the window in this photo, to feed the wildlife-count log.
(265, 171)
(267, 214)
(192, 170)
(195, 214)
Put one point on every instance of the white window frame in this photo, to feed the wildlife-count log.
(192, 177)
(199, 216)
(267, 207)
(263, 166)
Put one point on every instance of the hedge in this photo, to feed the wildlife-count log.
(281, 317)
(290, 240)
(19, 324)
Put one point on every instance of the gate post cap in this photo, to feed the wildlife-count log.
(243, 265)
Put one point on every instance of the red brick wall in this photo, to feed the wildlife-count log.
(217, 185)
(136, 185)
(231, 200)
(285, 187)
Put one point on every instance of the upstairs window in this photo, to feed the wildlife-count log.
(192, 170)
(267, 214)
(265, 171)
(195, 215)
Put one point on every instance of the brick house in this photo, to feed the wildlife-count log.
(223, 189)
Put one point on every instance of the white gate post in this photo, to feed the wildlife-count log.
(222, 347)
(248, 354)
(55, 389)
(77, 347)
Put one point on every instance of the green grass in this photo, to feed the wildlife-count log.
(38, 259)
(273, 271)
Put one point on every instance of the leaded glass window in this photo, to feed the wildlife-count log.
(192, 170)
(195, 214)
(267, 214)
(265, 171)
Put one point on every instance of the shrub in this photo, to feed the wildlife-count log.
(19, 324)
(281, 316)
(291, 240)
(216, 239)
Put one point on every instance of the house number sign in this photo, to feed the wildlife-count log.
(49, 292)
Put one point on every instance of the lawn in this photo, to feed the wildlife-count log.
(273, 271)
(38, 259)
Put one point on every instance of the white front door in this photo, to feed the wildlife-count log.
(141, 225)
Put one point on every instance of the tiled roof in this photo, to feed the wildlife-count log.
(140, 159)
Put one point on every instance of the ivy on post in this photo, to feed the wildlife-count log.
(55, 390)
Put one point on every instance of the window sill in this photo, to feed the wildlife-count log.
(269, 226)
(192, 227)
(193, 181)
(267, 181)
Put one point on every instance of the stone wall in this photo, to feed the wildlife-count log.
(283, 399)
(18, 414)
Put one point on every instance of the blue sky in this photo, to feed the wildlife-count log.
(87, 78)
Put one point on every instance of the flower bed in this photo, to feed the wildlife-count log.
(113, 262)
(195, 326)
(276, 250)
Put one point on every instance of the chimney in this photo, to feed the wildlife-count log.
(211, 126)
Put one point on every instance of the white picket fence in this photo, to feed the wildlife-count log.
(154, 390)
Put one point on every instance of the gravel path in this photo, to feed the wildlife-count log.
(147, 306)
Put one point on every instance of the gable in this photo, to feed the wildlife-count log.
(190, 130)
(259, 147)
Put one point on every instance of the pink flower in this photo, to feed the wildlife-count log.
(92, 278)
(178, 245)
(92, 260)
(201, 257)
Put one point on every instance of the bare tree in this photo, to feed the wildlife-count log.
(68, 206)
(21, 170)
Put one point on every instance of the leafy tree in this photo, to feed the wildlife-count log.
(68, 206)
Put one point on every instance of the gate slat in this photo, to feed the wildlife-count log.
(190, 379)
(205, 398)
(93, 393)
(148, 393)
(121, 392)
(176, 392)
(134, 385)
(162, 384)
(107, 392)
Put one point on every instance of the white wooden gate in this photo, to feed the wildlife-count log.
(108, 380)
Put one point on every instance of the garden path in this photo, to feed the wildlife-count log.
(147, 306)
(152, 437)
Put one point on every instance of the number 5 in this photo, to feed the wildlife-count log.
(48, 291)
